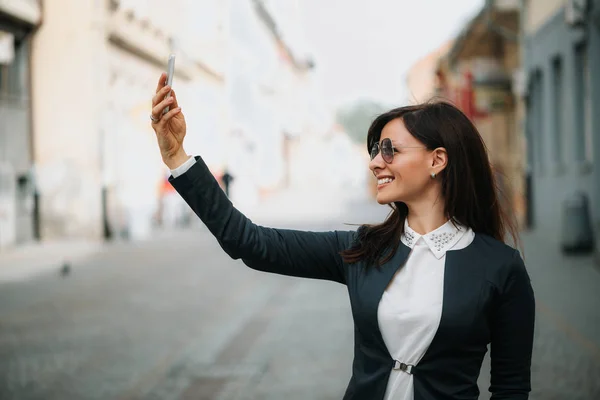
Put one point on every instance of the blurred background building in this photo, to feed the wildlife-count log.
(561, 65)
(269, 88)
(526, 73)
(18, 220)
(78, 158)
(421, 78)
(97, 169)
(477, 75)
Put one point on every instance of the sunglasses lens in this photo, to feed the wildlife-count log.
(374, 150)
(387, 151)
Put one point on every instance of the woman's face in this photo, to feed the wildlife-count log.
(410, 170)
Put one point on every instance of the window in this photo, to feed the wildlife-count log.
(6, 57)
(14, 76)
(557, 111)
(537, 115)
(583, 106)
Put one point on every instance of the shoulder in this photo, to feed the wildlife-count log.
(493, 247)
(352, 238)
(503, 263)
(347, 239)
(364, 234)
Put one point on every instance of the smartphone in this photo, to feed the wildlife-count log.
(170, 73)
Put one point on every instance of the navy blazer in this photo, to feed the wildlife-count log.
(488, 298)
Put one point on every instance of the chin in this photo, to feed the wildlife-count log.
(384, 199)
(387, 196)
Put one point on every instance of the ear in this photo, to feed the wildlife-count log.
(439, 160)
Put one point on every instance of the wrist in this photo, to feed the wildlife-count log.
(177, 160)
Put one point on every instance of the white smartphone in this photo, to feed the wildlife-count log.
(170, 73)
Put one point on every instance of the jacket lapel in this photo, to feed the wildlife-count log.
(463, 282)
(365, 301)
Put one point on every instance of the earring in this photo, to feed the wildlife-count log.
(433, 175)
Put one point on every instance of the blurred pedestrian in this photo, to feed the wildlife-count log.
(227, 180)
(430, 287)
(171, 206)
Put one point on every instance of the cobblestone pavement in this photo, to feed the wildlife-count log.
(175, 318)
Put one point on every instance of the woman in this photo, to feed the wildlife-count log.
(430, 287)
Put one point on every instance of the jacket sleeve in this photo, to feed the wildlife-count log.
(512, 331)
(282, 251)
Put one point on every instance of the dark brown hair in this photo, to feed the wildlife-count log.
(468, 185)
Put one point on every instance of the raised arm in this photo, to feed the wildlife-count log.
(512, 335)
(282, 251)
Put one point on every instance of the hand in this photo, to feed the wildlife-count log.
(170, 128)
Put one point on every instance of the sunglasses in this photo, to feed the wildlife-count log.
(387, 150)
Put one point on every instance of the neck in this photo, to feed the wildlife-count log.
(426, 216)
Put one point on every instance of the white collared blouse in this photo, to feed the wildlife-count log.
(410, 309)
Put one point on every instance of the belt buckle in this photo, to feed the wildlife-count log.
(403, 367)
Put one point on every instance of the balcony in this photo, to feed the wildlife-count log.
(28, 11)
(142, 39)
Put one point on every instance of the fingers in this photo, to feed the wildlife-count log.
(165, 118)
(157, 110)
(159, 102)
(175, 103)
(161, 82)
(170, 115)
(160, 95)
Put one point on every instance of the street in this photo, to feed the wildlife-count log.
(175, 318)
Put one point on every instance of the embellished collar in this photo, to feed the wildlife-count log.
(439, 241)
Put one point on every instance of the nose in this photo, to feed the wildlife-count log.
(377, 163)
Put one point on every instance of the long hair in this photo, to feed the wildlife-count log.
(468, 185)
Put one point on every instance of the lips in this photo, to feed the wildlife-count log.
(384, 179)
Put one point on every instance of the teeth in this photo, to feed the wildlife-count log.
(384, 180)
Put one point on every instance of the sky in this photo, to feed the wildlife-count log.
(364, 48)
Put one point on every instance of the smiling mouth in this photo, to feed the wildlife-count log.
(383, 181)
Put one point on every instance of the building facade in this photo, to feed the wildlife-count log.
(421, 79)
(78, 158)
(18, 201)
(478, 75)
(99, 172)
(561, 62)
(270, 94)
